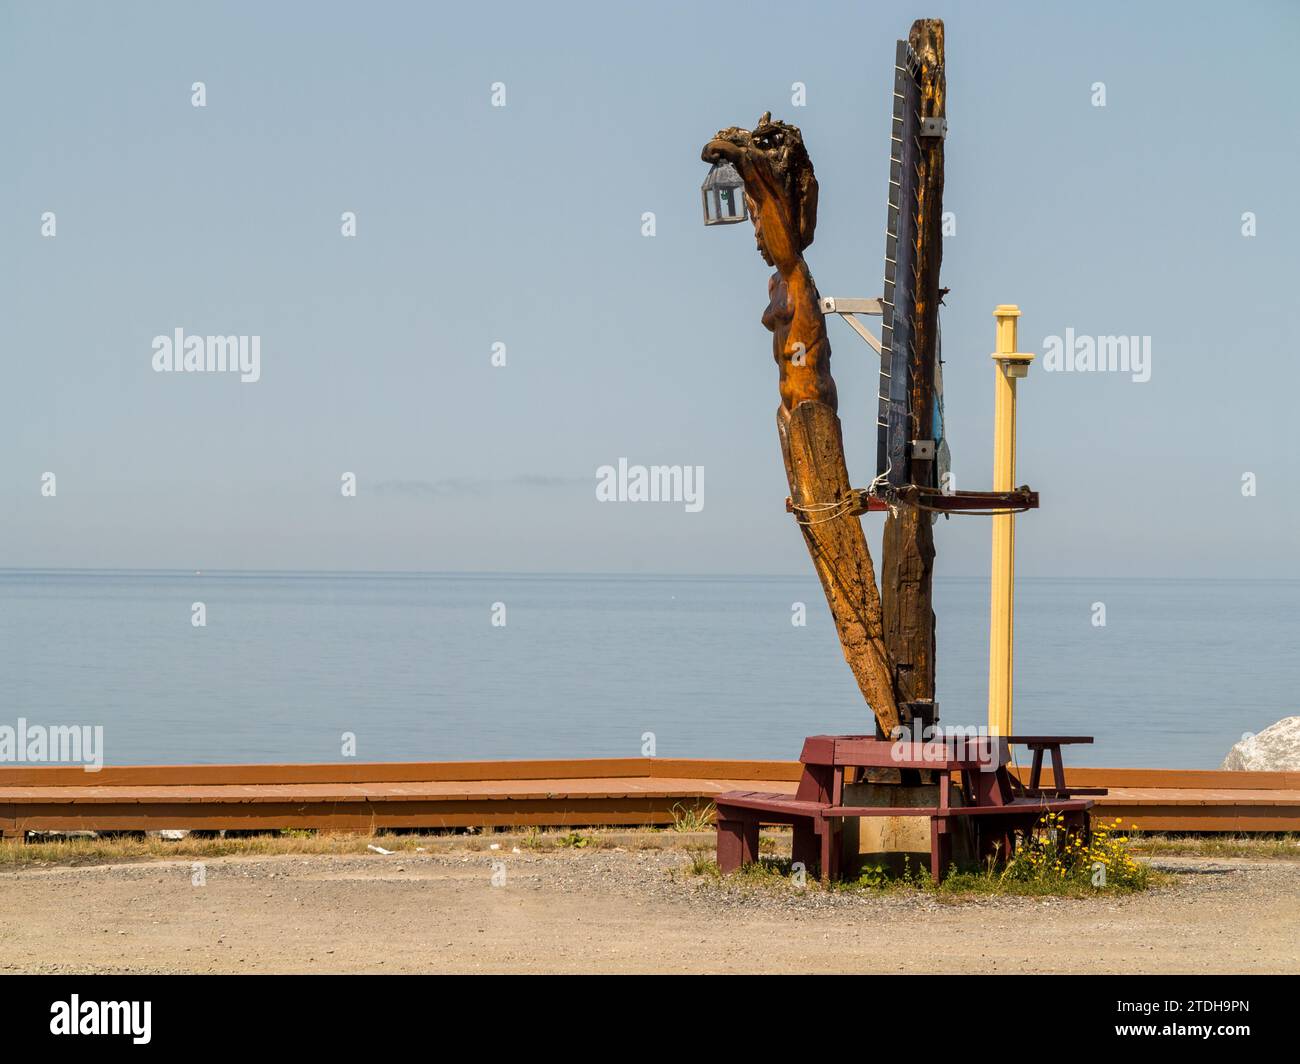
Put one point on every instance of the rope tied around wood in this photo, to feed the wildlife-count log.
(829, 510)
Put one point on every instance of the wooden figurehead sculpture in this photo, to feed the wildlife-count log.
(781, 194)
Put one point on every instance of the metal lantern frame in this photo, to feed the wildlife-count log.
(723, 186)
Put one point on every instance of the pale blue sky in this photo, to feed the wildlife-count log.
(522, 225)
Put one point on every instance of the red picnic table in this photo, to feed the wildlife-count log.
(998, 802)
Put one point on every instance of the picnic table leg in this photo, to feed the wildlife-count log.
(1001, 843)
(1036, 771)
(737, 842)
(830, 855)
(940, 847)
(749, 840)
(729, 834)
(1058, 773)
(1083, 826)
(804, 848)
(818, 784)
(985, 787)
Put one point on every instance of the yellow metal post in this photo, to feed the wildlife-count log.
(1011, 365)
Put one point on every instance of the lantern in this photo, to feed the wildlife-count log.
(724, 196)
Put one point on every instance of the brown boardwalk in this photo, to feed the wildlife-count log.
(629, 791)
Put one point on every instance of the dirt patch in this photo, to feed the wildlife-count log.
(609, 910)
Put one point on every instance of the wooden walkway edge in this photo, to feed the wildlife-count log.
(573, 793)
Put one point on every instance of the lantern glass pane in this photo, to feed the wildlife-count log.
(728, 208)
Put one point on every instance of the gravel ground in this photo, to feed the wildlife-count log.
(613, 910)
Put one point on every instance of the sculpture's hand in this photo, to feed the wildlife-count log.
(721, 149)
(732, 146)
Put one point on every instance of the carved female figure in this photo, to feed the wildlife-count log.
(781, 194)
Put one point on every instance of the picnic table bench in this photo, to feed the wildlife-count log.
(998, 803)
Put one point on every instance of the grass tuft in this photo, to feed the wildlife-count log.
(693, 818)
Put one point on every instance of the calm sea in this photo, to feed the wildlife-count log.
(413, 666)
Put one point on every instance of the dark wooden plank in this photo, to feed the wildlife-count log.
(874, 753)
(1029, 807)
(907, 550)
(1048, 740)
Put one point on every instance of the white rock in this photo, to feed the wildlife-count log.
(1275, 749)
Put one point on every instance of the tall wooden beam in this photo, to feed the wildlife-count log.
(907, 557)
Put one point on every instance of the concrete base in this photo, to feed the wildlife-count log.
(894, 842)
